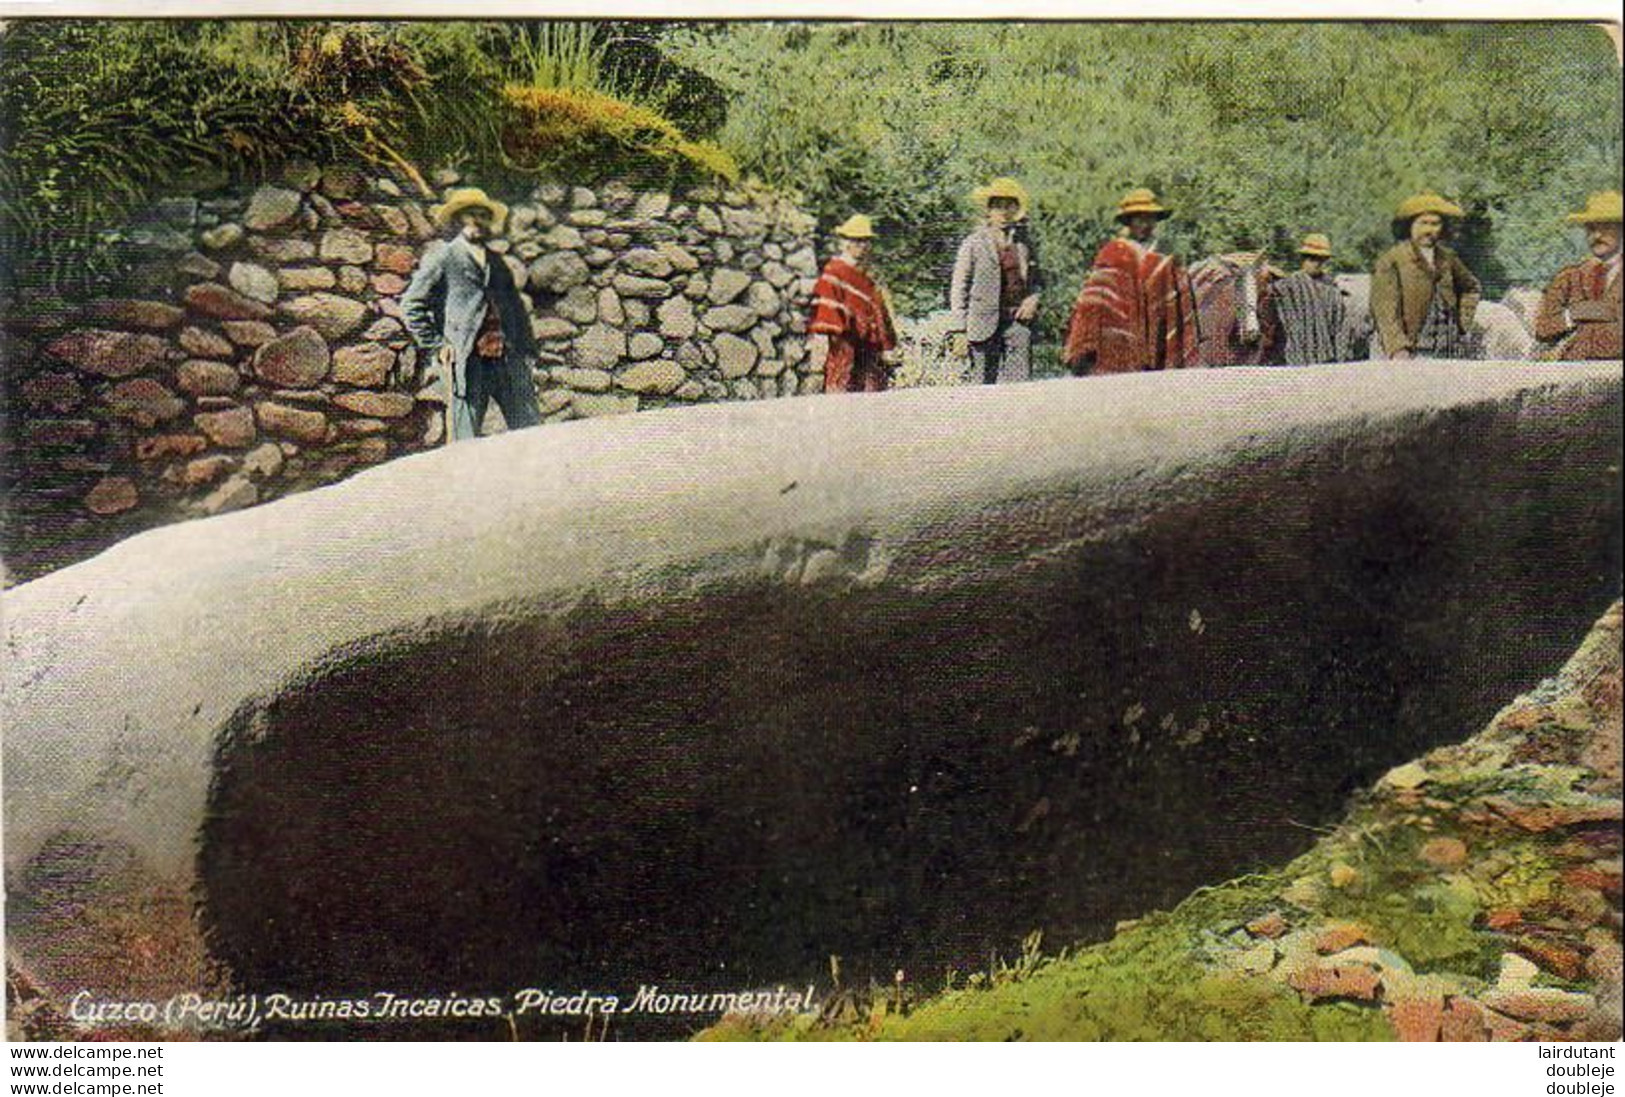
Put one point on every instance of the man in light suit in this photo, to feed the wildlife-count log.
(995, 289)
(463, 307)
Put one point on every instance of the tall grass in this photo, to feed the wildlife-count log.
(98, 118)
(563, 55)
(95, 118)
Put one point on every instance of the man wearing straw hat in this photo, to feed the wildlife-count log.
(851, 315)
(1422, 295)
(1308, 309)
(1136, 310)
(993, 294)
(463, 307)
(1579, 315)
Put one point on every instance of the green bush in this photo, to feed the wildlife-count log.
(94, 116)
(585, 134)
(576, 112)
(1256, 133)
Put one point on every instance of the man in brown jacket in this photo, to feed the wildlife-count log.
(1422, 295)
(1579, 315)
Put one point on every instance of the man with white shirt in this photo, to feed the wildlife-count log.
(994, 292)
(463, 307)
(1579, 315)
(1136, 310)
(1423, 297)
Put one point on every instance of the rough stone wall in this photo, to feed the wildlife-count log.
(260, 350)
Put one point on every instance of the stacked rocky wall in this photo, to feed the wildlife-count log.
(257, 347)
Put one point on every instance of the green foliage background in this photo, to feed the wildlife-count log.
(1256, 133)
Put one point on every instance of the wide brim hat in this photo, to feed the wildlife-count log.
(1602, 208)
(467, 198)
(1316, 244)
(1002, 187)
(1141, 200)
(856, 227)
(1427, 202)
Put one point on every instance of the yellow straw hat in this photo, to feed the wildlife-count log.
(1141, 200)
(856, 227)
(466, 198)
(1316, 244)
(1002, 187)
(1602, 208)
(1427, 202)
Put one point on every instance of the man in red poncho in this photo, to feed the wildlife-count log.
(850, 311)
(1136, 311)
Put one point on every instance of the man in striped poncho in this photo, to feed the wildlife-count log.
(851, 316)
(1309, 311)
(1136, 310)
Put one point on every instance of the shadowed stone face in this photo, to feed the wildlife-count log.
(900, 680)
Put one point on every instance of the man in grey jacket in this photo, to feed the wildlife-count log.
(463, 307)
(995, 289)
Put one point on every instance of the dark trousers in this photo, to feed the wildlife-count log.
(485, 379)
(1005, 357)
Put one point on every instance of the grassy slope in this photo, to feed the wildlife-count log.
(1414, 918)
